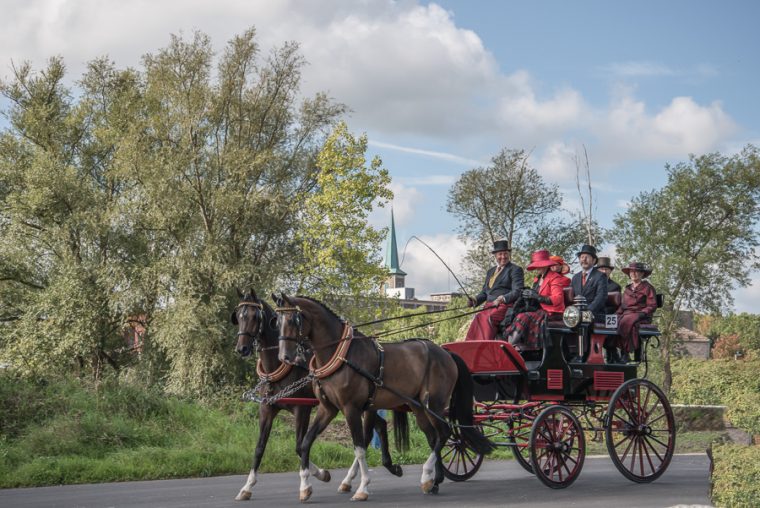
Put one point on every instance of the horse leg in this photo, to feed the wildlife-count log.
(381, 427)
(302, 414)
(368, 426)
(427, 480)
(354, 420)
(325, 414)
(266, 417)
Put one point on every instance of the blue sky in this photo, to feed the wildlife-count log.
(440, 87)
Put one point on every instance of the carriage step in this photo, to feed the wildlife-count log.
(534, 375)
(576, 373)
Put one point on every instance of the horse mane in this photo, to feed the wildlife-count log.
(357, 333)
(324, 306)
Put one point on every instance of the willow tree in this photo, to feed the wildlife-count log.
(699, 234)
(151, 194)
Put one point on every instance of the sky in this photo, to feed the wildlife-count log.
(441, 87)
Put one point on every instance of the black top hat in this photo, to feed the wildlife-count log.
(604, 262)
(500, 245)
(588, 249)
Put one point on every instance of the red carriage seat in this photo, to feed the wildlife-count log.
(488, 356)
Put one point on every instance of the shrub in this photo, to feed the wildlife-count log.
(736, 476)
(727, 346)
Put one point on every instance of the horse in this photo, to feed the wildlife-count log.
(255, 320)
(354, 372)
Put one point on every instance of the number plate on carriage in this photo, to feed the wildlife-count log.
(611, 321)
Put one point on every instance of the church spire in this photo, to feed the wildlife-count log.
(391, 252)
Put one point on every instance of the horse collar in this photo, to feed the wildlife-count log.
(337, 359)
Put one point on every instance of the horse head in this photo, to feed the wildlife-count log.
(294, 330)
(250, 317)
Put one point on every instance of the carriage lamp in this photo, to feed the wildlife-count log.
(571, 317)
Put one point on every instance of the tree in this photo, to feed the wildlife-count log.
(339, 250)
(698, 233)
(509, 199)
(152, 193)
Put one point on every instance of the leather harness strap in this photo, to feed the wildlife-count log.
(337, 359)
(279, 373)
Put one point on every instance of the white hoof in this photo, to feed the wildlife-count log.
(360, 496)
(344, 487)
(305, 495)
(244, 495)
(427, 487)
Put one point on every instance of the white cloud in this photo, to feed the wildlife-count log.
(405, 199)
(403, 68)
(425, 273)
(449, 157)
(746, 299)
(637, 69)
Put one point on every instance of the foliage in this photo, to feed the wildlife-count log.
(744, 326)
(726, 347)
(736, 476)
(333, 233)
(727, 382)
(150, 193)
(707, 245)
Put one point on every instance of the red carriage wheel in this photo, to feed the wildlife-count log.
(460, 462)
(519, 436)
(557, 447)
(640, 430)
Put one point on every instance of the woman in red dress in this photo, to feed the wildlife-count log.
(639, 302)
(525, 331)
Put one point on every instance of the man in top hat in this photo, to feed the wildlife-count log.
(605, 266)
(591, 283)
(503, 285)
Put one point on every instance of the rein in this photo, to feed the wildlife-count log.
(409, 316)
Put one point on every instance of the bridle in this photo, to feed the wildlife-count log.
(256, 336)
(303, 344)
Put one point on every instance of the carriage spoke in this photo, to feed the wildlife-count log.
(645, 446)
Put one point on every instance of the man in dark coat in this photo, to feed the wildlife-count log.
(605, 266)
(503, 285)
(591, 284)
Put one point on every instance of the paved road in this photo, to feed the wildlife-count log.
(496, 484)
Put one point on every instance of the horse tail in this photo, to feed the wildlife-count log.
(460, 410)
(401, 430)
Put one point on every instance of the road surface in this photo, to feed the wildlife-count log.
(498, 483)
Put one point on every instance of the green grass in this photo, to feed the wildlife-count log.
(67, 432)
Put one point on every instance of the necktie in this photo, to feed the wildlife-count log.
(493, 277)
(583, 279)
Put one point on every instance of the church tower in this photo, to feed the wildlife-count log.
(395, 284)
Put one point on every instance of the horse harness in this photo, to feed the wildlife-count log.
(339, 358)
(265, 377)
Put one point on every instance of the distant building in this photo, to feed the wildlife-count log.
(395, 284)
(692, 344)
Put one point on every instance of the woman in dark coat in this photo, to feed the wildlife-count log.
(639, 302)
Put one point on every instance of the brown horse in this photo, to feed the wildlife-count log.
(355, 373)
(257, 332)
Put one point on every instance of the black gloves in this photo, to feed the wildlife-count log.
(544, 299)
(470, 302)
(529, 294)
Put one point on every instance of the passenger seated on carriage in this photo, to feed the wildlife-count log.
(502, 287)
(561, 267)
(639, 301)
(525, 332)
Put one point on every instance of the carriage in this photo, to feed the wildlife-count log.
(543, 406)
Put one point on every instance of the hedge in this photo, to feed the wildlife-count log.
(736, 476)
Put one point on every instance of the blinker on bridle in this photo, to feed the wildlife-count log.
(259, 316)
(297, 321)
